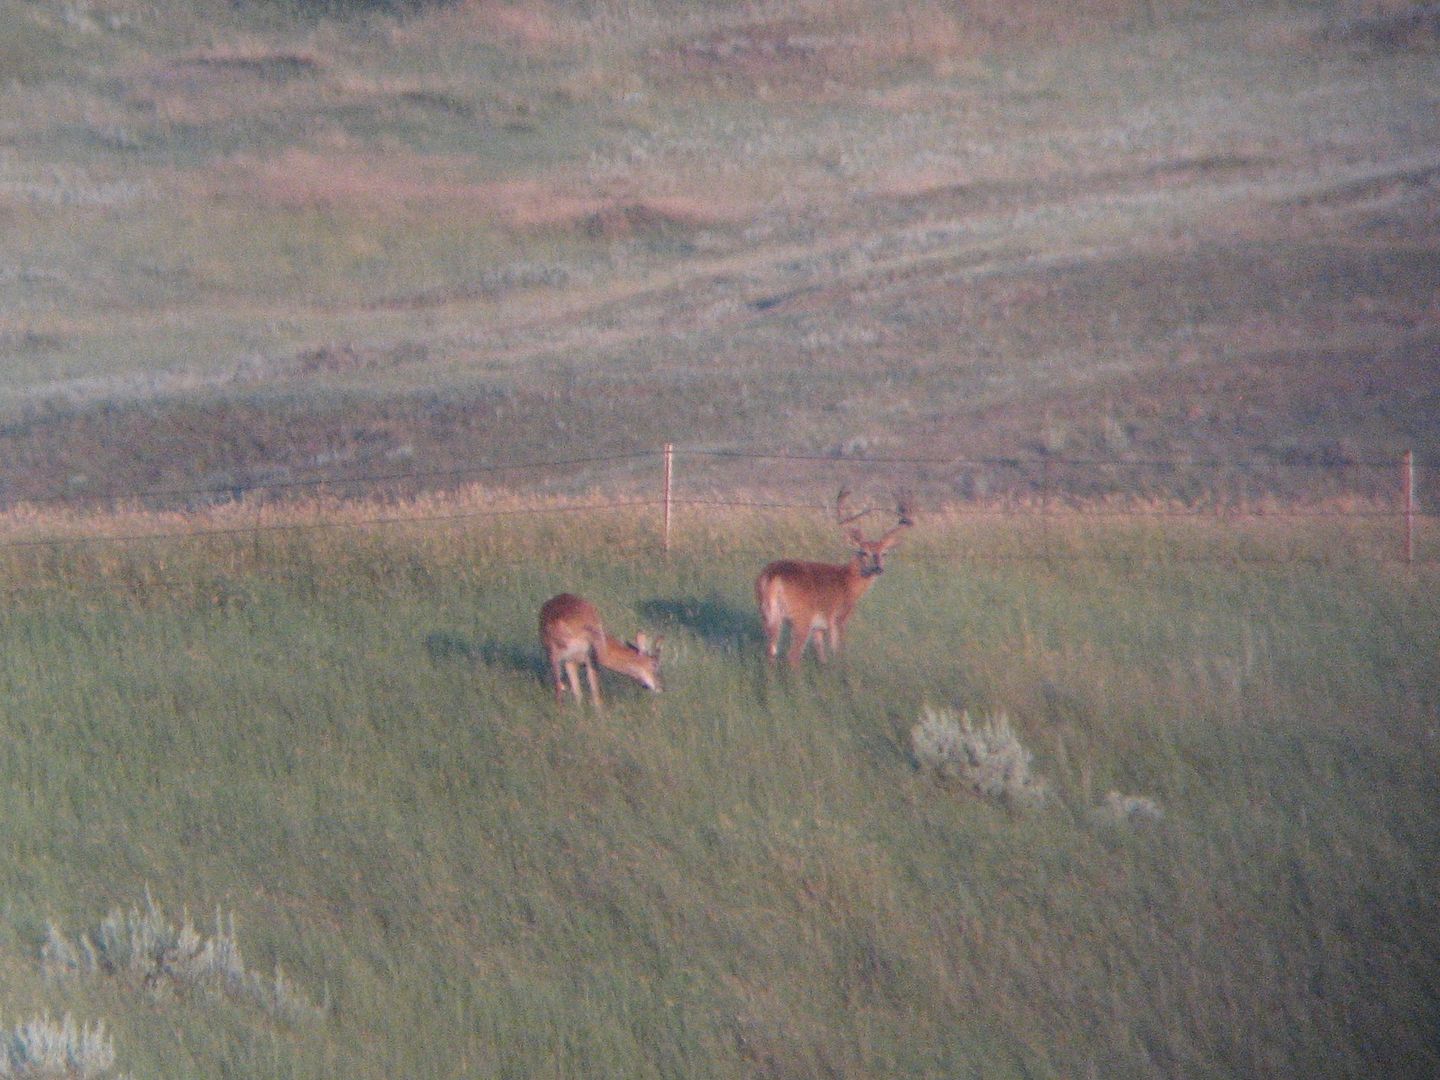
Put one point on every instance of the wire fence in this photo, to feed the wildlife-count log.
(1386, 499)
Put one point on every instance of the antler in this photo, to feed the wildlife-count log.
(905, 508)
(840, 501)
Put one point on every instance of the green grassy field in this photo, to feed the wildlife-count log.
(342, 738)
(1073, 258)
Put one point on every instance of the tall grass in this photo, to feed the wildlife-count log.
(343, 738)
(330, 721)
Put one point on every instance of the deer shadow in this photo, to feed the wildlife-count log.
(447, 647)
(709, 618)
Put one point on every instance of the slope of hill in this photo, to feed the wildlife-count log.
(242, 242)
(335, 748)
(284, 791)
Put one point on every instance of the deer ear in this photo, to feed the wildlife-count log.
(642, 644)
(857, 536)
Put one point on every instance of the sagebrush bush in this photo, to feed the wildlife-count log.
(40, 1047)
(987, 756)
(145, 946)
(1118, 809)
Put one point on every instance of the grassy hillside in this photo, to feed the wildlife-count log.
(273, 242)
(288, 796)
(341, 739)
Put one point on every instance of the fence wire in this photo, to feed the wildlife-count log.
(1037, 491)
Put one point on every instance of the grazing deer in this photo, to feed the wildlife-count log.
(821, 597)
(571, 631)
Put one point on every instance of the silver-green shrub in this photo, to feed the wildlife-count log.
(986, 756)
(1118, 809)
(145, 946)
(40, 1048)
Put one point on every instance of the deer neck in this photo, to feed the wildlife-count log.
(858, 578)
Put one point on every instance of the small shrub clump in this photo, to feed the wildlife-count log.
(1118, 809)
(145, 946)
(987, 756)
(41, 1048)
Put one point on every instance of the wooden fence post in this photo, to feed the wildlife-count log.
(1407, 485)
(669, 477)
(1045, 506)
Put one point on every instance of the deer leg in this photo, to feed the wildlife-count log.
(557, 673)
(594, 683)
(819, 636)
(838, 628)
(773, 631)
(572, 675)
(798, 641)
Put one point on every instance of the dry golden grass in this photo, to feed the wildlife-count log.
(508, 525)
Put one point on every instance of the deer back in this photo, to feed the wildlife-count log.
(570, 624)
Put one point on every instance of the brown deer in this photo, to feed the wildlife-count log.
(817, 599)
(572, 634)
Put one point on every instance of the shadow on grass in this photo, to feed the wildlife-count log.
(445, 647)
(711, 619)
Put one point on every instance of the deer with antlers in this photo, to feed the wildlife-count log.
(573, 635)
(817, 599)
